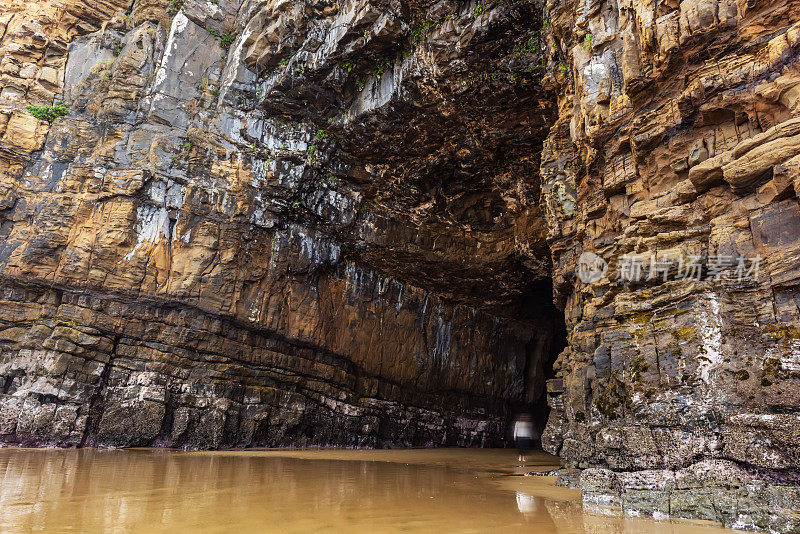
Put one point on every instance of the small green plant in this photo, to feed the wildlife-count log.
(547, 21)
(103, 69)
(226, 40)
(305, 102)
(214, 90)
(283, 62)
(311, 150)
(381, 67)
(48, 113)
(368, 205)
(587, 41)
(479, 10)
(361, 83)
(529, 45)
(422, 29)
(101, 66)
(563, 68)
(187, 146)
(116, 47)
(296, 205)
(348, 65)
(321, 135)
(174, 6)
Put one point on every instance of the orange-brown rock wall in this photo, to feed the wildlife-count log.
(676, 150)
(229, 242)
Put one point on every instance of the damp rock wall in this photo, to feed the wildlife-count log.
(676, 149)
(362, 223)
(271, 223)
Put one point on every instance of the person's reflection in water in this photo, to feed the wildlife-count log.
(536, 515)
(527, 503)
(524, 435)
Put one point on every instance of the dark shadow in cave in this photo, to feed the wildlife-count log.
(547, 342)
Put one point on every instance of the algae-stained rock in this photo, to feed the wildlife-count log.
(130, 423)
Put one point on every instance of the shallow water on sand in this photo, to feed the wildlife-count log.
(442, 490)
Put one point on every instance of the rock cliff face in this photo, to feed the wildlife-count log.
(272, 223)
(677, 148)
(359, 223)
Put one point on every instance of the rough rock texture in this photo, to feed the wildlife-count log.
(290, 223)
(271, 223)
(678, 136)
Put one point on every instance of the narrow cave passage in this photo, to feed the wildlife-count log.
(549, 339)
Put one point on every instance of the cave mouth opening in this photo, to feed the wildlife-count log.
(548, 340)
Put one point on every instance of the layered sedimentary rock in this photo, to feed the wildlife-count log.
(271, 223)
(677, 149)
(359, 223)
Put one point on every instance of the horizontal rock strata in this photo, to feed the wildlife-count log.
(362, 223)
(271, 224)
(677, 145)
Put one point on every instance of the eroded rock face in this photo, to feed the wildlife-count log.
(272, 223)
(339, 223)
(677, 137)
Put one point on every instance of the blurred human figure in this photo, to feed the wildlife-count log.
(523, 435)
(526, 503)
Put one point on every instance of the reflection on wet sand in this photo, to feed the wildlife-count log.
(293, 491)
